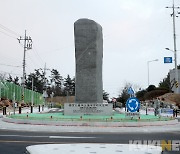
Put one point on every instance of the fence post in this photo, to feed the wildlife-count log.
(31, 109)
(39, 108)
(42, 107)
(19, 109)
(4, 110)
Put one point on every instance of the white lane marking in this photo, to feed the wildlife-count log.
(44, 136)
(21, 136)
(69, 137)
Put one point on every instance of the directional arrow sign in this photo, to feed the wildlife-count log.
(133, 104)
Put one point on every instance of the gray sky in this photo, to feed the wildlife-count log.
(134, 32)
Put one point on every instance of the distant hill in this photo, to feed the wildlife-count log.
(171, 98)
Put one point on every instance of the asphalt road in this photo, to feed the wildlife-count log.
(15, 142)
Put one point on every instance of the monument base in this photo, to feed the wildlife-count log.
(88, 109)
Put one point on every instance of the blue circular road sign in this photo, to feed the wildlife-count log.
(133, 104)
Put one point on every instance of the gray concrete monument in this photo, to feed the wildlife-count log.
(89, 54)
(89, 57)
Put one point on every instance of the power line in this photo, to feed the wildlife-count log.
(36, 52)
(32, 60)
(9, 30)
(14, 60)
(8, 35)
(9, 65)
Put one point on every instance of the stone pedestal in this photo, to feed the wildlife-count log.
(87, 109)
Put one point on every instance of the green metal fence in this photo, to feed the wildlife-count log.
(7, 90)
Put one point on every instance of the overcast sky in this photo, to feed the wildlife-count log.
(134, 32)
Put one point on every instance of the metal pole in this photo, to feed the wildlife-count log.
(0, 88)
(148, 68)
(14, 102)
(148, 72)
(32, 93)
(175, 50)
(27, 45)
(45, 88)
(24, 63)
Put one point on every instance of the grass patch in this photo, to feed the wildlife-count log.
(60, 117)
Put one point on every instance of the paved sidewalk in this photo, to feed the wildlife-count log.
(52, 128)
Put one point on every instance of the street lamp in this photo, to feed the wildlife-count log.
(175, 57)
(175, 66)
(148, 68)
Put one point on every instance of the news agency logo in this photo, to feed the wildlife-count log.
(153, 145)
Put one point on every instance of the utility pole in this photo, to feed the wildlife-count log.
(45, 82)
(0, 89)
(32, 94)
(27, 46)
(14, 102)
(174, 15)
(45, 95)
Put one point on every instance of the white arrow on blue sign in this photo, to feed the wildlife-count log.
(133, 104)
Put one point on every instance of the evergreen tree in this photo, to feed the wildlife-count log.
(9, 79)
(151, 88)
(16, 81)
(38, 80)
(69, 85)
(124, 94)
(13, 80)
(105, 95)
(56, 83)
(166, 83)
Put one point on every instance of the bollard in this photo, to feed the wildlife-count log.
(31, 109)
(155, 112)
(4, 110)
(39, 108)
(42, 107)
(176, 112)
(19, 109)
(146, 111)
(27, 116)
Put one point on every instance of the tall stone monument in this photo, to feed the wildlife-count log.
(89, 54)
(89, 57)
